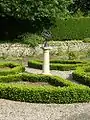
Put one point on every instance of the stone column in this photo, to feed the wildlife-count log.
(46, 63)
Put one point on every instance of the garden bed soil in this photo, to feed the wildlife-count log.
(31, 83)
(5, 68)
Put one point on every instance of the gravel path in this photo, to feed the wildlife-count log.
(11, 110)
(63, 74)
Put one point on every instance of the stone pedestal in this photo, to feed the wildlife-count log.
(46, 63)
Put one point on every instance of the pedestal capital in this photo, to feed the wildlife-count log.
(46, 48)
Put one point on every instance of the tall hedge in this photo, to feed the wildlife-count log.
(72, 28)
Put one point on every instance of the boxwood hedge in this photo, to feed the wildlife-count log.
(58, 64)
(13, 68)
(80, 74)
(36, 94)
(53, 80)
(65, 92)
(62, 91)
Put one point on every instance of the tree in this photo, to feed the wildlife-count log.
(80, 5)
(41, 12)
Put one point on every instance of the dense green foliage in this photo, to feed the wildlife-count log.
(81, 75)
(33, 9)
(68, 61)
(18, 16)
(62, 91)
(53, 80)
(71, 28)
(45, 94)
(86, 40)
(57, 64)
(80, 5)
(13, 68)
(31, 39)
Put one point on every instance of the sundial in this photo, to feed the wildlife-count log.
(46, 64)
(47, 36)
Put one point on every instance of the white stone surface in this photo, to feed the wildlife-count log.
(46, 62)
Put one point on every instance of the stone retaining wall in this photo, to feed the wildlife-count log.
(58, 48)
(70, 46)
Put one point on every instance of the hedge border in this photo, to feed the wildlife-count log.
(65, 92)
(57, 64)
(16, 68)
(53, 80)
(23, 93)
(80, 75)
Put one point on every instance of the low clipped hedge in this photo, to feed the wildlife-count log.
(14, 68)
(66, 92)
(57, 64)
(53, 80)
(45, 94)
(80, 74)
(62, 91)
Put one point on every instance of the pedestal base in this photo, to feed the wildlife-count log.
(46, 73)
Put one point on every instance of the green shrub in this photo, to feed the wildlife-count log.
(57, 64)
(63, 90)
(67, 61)
(35, 64)
(11, 78)
(86, 40)
(40, 13)
(14, 68)
(53, 80)
(80, 74)
(71, 28)
(31, 39)
(45, 94)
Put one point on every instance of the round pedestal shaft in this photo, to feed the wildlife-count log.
(46, 64)
(46, 68)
